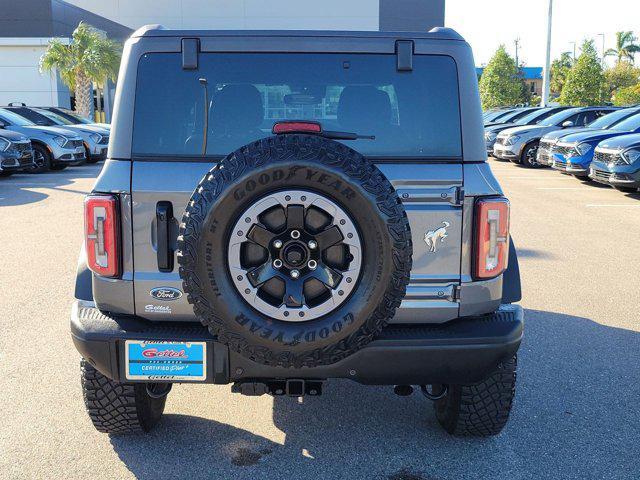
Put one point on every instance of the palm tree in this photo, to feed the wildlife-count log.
(626, 47)
(89, 58)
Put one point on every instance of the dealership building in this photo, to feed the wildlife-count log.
(26, 26)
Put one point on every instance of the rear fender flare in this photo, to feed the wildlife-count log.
(84, 278)
(511, 286)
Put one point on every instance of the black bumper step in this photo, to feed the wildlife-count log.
(461, 351)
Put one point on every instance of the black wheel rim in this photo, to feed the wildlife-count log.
(531, 155)
(38, 158)
(295, 255)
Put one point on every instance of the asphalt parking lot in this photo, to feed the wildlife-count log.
(576, 413)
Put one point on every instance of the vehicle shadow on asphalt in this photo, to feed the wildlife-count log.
(632, 195)
(535, 253)
(575, 416)
(18, 189)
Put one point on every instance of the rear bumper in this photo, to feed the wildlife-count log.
(462, 351)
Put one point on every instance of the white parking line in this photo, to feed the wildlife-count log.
(538, 177)
(633, 205)
(560, 188)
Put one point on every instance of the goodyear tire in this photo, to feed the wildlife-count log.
(479, 410)
(331, 216)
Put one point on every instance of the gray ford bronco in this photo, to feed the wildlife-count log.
(282, 208)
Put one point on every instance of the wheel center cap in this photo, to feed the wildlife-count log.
(294, 254)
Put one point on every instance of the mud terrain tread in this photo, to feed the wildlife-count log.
(283, 149)
(479, 410)
(118, 408)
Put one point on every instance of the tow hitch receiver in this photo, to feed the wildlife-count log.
(291, 388)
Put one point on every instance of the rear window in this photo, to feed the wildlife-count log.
(411, 114)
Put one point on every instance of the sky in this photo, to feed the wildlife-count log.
(485, 24)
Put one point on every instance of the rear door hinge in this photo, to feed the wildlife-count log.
(456, 293)
(454, 196)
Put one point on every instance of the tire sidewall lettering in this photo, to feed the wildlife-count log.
(315, 175)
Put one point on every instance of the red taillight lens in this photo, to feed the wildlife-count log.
(296, 127)
(492, 237)
(102, 234)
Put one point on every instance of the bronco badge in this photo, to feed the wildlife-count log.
(165, 293)
(432, 236)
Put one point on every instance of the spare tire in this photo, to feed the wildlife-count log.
(295, 251)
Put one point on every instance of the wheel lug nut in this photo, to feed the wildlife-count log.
(312, 244)
(295, 234)
(277, 243)
(312, 264)
(294, 274)
(277, 263)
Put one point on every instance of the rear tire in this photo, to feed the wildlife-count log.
(6, 174)
(528, 157)
(42, 159)
(118, 408)
(479, 410)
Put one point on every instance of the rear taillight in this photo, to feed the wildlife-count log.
(102, 234)
(492, 237)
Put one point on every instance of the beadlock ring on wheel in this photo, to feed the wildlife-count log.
(295, 255)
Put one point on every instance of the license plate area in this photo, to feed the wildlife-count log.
(154, 360)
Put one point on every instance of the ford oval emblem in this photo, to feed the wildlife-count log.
(165, 293)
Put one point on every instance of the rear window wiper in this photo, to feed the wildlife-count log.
(316, 129)
(346, 135)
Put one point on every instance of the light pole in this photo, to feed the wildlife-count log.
(547, 67)
(574, 51)
(602, 59)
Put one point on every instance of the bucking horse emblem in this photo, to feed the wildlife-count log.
(432, 236)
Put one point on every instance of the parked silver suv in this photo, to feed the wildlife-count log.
(95, 138)
(16, 153)
(54, 148)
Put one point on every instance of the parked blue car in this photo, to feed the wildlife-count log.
(616, 162)
(605, 122)
(573, 153)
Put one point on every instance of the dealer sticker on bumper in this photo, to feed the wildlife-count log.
(149, 360)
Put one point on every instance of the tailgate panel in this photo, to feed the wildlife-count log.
(432, 197)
